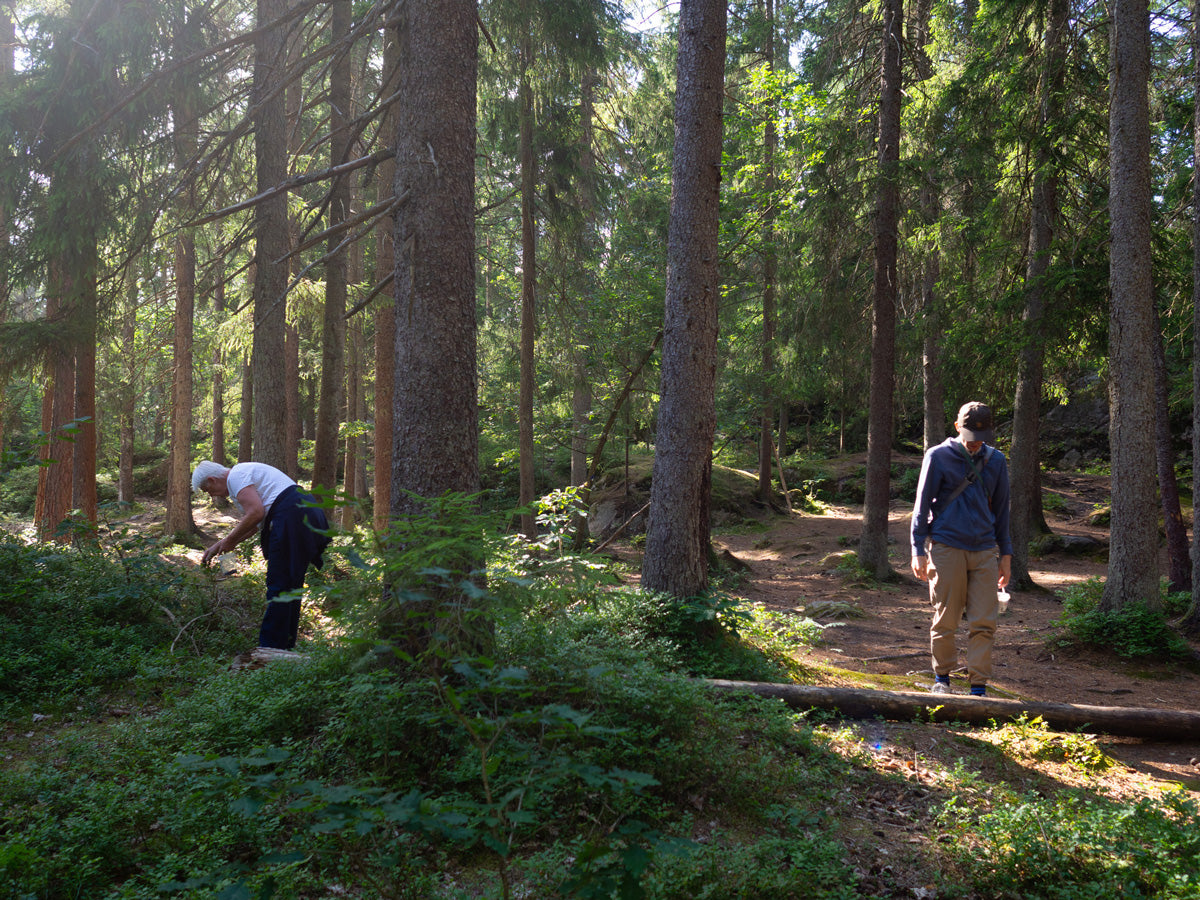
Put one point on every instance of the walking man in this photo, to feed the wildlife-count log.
(293, 534)
(959, 525)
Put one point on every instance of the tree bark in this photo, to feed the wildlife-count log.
(1024, 466)
(270, 239)
(1133, 553)
(435, 443)
(385, 309)
(525, 440)
(129, 390)
(873, 547)
(179, 482)
(904, 706)
(678, 538)
(1179, 565)
(933, 392)
(333, 332)
(770, 260)
(219, 453)
(1191, 620)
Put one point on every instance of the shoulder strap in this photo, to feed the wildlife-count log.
(971, 476)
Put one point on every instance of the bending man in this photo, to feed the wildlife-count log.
(959, 523)
(293, 534)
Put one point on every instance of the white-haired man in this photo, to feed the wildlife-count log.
(293, 534)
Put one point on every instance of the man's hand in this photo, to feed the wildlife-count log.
(215, 550)
(920, 567)
(1005, 572)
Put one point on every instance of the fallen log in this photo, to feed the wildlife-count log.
(856, 703)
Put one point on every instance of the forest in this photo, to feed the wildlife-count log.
(609, 335)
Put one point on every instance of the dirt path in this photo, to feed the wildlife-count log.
(792, 567)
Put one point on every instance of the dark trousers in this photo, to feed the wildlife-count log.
(293, 537)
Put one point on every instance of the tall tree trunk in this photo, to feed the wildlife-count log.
(528, 490)
(83, 476)
(246, 432)
(1025, 470)
(219, 453)
(129, 390)
(678, 539)
(435, 442)
(766, 440)
(1179, 566)
(586, 263)
(270, 238)
(333, 332)
(1191, 621)
(873, 548)
(57, 455)
(385, 309)
(1133, 553)
(8, 42)
(933, 391)
(179, 479)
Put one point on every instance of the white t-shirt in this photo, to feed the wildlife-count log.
(267, 480)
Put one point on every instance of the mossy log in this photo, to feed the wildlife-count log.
(856, 703)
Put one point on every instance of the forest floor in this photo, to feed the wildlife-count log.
(890, 828)
(792, 566)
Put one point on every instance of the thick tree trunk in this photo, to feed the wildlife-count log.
(1179, 564)
(933, 392)
(678, 539)
(766, 438)
(435, 443)
(129, 390)
(179, 481)
(855, 703)
(1133, 553)
(245, 433)
(435, 439)
(385, 309)
(270, 239)
(1024, 466)
(1191, 621)
(333, 331)
(873, 547)
(219, 453)
(83, 477)
(57, 455)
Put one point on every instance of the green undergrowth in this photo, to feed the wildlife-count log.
(528, 728)
(1135, 632)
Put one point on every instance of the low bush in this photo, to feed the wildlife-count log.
(1077, 847)
(1136, 631)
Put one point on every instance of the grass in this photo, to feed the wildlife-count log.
(580, 756)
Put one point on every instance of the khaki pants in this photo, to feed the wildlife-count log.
(963, 583)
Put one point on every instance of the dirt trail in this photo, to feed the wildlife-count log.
(790, 568)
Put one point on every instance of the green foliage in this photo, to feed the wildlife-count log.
(1075, 848)
(18, 490)
(1032, 738)
(1136, 631)
(75, 621)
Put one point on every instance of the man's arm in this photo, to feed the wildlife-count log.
(253, 513)
(920, 518)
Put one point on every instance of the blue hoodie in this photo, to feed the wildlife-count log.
(977, 519)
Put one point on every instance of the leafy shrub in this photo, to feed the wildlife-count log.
(18, 490)
(1133, 632)
(1076, 848)
(73, 621)
(1032, 738)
